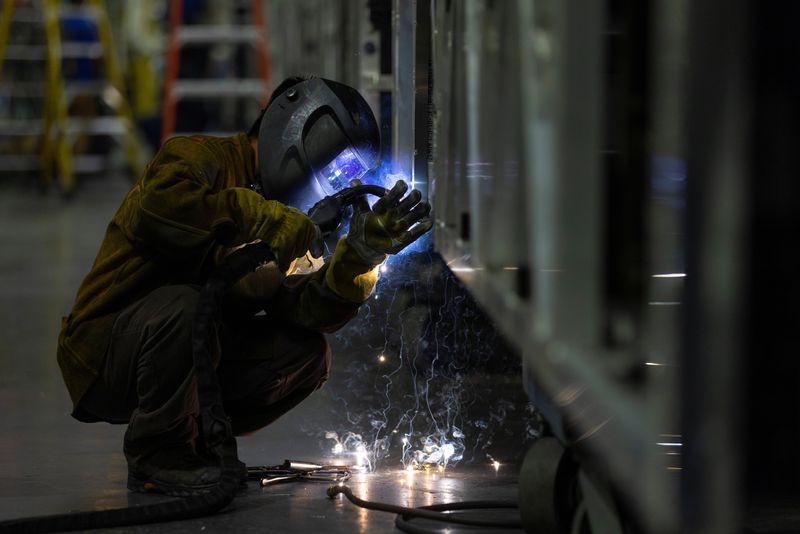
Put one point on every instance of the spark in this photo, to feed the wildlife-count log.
(352, 445)
(420, 380)
(448, 450)
(670, 275)
(361, 457)
(496, 465)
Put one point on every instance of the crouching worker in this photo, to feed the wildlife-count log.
(125, 349)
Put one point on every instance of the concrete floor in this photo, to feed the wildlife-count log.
(50, 463)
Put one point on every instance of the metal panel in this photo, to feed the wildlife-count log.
(477, 167)
(404, 12)
(533, 129)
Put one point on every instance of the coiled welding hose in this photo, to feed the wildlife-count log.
(216, 427)
(435, 512)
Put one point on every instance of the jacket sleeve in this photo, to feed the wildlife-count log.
(178, 209)
(327, 299)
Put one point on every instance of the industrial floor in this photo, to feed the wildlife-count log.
(50, 463)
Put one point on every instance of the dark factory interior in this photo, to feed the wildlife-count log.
(414, 266)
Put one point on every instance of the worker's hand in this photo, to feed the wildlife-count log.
(393, 223)
(292, 236)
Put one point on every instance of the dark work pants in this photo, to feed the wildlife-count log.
(264, 368)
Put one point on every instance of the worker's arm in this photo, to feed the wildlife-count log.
(329, 298)
(179, 211)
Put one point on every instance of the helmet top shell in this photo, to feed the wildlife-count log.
(314, 138)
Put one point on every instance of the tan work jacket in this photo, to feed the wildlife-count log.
(192, 199)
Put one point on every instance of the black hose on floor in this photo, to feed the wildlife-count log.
(215, 424)
(434, 512)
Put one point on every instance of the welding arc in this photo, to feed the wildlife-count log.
(435, 512)
(216, 428)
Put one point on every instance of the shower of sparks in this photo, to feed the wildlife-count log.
(352, 447)
(421, 407)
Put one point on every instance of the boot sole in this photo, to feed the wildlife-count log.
(143, 485)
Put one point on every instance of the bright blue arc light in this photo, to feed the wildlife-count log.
(337, 174)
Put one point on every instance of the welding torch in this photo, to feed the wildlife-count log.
(293, 470)
(328, 213)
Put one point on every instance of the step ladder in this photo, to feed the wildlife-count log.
(253, 33)
(51, 136)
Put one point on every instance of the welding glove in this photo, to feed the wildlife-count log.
(392, 224)
(292, 235)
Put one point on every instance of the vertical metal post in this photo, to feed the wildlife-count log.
(720, 121)
(422, 95)
(473, 12)
(403, 30)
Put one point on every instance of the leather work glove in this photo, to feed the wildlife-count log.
(292, 236)
(393, 223)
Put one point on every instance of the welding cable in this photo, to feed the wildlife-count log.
(436, 512)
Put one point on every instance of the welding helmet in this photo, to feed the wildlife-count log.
(314, 138)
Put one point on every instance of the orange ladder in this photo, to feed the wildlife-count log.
(181, 35)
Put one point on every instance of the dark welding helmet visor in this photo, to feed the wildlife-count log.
(314, 138)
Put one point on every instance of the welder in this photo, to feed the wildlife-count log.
(125, 349)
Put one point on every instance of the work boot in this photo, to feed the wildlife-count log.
(179, 472)
(228, 447)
